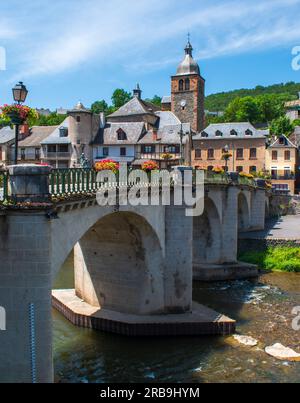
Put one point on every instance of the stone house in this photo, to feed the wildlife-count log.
(281, 162)
(293, 109)
(245, 143)
(7, 140)
(140, 131)
(31, 150)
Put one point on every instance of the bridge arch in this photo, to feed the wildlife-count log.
(243, 212)
(207, 235)
(118, 265)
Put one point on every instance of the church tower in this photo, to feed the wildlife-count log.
(188, 92)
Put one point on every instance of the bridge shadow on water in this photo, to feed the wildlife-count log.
(83, 355)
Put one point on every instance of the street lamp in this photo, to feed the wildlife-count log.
(19, 93)
(226, 149)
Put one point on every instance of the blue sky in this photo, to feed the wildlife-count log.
(66, 50)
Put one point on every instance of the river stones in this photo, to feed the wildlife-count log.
(246, 340)
(282, 353)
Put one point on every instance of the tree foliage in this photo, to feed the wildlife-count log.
(53, 119)
(219, 101)
(120, 97)
(282, 125)
(156, 100)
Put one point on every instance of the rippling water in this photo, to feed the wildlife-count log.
(261, 307)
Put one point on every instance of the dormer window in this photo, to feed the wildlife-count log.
(180, 85)
(204, 134)
(121, 135)
(282, 141)
(63, 132)
(233, 133)
(219, 133)
(249, 132)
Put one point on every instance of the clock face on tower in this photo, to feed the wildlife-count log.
(183, 103)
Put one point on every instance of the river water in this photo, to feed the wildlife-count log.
(262, 308)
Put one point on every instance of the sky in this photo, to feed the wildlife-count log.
(71, 50)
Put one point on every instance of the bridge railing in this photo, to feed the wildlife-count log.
(3, 186)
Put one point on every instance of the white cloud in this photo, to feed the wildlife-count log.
(138, 33)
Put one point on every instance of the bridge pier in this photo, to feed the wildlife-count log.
(25, 293)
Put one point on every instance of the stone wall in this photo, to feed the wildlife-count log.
(281, 205)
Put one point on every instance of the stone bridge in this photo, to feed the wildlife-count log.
(134, 266)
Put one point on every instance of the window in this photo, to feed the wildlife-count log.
(198, 154)
(253, 153)
(105, 151)
(287, 172)
(233, 133)
(148, 149)
(274, 155)
(282, 141)
(240, 153)
(123, 151)
(252, 169)
(37, 154)
(219, 133)
(172, 149)
(211, 154)
(51, 148)
(180, 85)
(63, 148)
(22, 154)
(274, 173)
(204, 134)
(78, 119)
(287, 155)
(121, 135)
(187, 84)
(239, 169)
(249, 132)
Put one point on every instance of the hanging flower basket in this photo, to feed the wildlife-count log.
(107, 165)
(18, 114)
(226, 156)
(167, 156)
(218, 170)
(150, 166)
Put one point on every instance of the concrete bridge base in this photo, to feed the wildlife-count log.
(224, 272)
(201, 321)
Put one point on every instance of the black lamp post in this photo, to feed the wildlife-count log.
(19, 93)
(226, 149)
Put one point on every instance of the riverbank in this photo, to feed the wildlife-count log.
(282, 259)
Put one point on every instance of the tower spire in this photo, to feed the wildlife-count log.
(189, 48)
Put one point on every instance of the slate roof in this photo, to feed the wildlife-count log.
(54, 137)
(38, 134)
(167, 118)
(287, 143)
(135, 107)
(226, 129)
(167, 99)
(109, 135)
(6, 135)
(167, 135)
(292, 104)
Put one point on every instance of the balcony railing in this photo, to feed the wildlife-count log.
(157, 156)
(283, 177)
(54, 155)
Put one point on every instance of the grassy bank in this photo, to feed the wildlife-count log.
(275, 259)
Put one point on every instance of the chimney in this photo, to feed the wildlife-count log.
(102, 120)
(24, 131)
(155, 135)
(137, 92)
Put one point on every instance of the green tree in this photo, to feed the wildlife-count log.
(52, 120)
(99, 106)
(282, 125)
(4, 121)
(242, 110)
(156, 100)
(120, 97)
